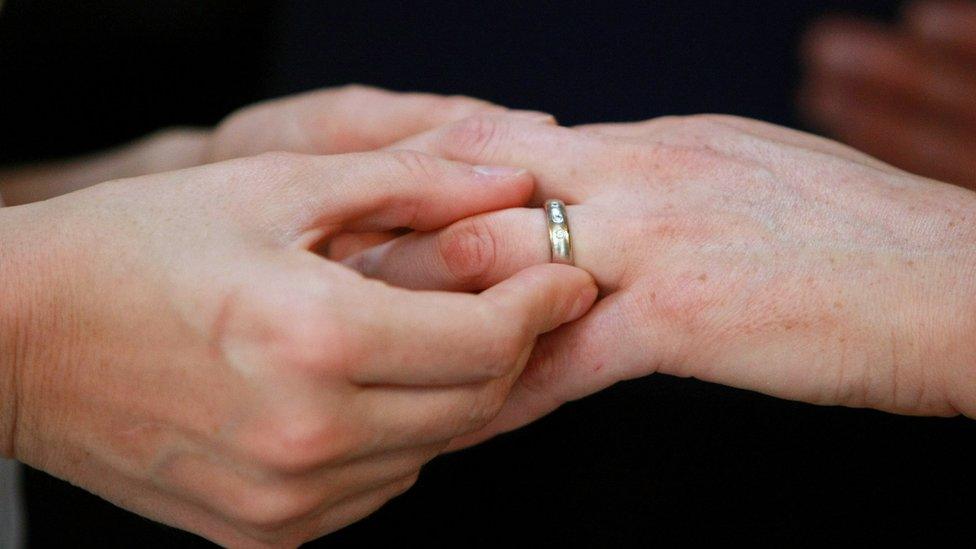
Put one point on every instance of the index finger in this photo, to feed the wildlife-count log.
(566, 163)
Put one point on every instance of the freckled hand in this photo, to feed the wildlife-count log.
(725, 249)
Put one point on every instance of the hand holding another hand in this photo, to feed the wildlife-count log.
(178, 347)
(173, 345)
(725, 249)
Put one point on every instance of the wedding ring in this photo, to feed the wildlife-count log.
(560, 245)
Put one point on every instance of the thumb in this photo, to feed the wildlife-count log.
(576, 360)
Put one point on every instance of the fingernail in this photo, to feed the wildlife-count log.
(534, 116)
(498, 171)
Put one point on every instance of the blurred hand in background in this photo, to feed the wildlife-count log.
(905, 93)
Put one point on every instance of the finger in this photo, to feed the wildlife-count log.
(947, 23)
(403, 417)
(375, 192)
(566, 163)
(569, 363)
(903, 134)
(438, 338)
(894, 62)
(338, 120)
(480, 251)
(349, 244)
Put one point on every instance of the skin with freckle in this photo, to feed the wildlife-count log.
(180, 352)
(725, 249)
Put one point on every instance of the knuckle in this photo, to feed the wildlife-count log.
(299, 446)
(459, 106)
(235, 121)
(468, 250)
(488, 406)
(417, 168)
(323, 122)
(271, 510)
(406, 483)
(293, 337)
(494, 365)
(475, 136)
(357, 99)
(166, 143)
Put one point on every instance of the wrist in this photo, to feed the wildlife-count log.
(12, 320)
(21, 326)
(960, 372)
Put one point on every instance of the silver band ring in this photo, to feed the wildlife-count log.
(560, 244)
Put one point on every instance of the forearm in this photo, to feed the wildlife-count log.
(163, 151)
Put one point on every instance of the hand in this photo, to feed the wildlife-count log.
(348, 119)
(337, 120)
(725, 249)
(904, 93)
(169, 342)
(352, 118)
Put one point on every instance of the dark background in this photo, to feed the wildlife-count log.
(650, 460)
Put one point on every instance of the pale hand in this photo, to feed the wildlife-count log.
(725, 249)
(170, 343)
